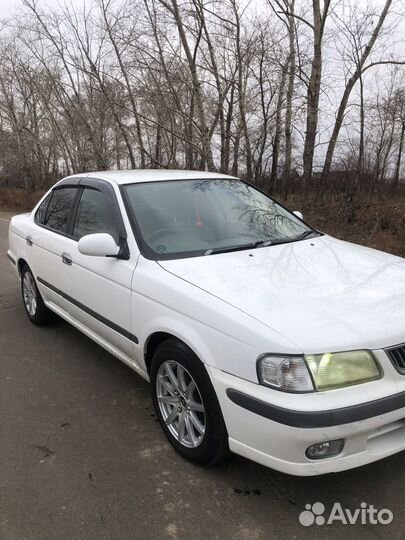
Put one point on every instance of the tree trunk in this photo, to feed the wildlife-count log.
(399, 158)
(277, 134)
(228, 127)
(241, 93)
(290, 93)
(360, 161)
(314, 88)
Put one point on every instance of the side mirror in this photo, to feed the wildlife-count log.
(298, 214)
(98, 245)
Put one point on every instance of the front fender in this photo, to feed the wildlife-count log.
(220, 335)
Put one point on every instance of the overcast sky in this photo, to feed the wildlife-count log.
(8, 6)
(5, 6)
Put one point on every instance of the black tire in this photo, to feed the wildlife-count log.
(40, 315)
(213, 447)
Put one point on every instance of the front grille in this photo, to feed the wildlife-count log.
(397, 357)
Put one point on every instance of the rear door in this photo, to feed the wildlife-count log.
(49, 239)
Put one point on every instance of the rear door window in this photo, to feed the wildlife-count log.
(41, 212)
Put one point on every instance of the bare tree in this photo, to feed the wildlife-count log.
(173, 7)
(361, 53)
(205, 84)
(314, 84)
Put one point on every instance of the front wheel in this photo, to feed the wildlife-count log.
(35, 308)
(186, 404)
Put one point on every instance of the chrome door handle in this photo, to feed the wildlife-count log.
(29, 241)
(67, 259)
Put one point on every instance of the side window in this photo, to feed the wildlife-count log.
(41, 212)
(94, 215)
(58, 211)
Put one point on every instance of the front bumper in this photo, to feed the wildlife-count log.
(11, 258)
(318, 419)
(278, 436)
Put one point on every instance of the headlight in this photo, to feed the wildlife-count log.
(317, 371)
(288, 373)
(334, 370)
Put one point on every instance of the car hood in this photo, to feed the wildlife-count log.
(323, 294)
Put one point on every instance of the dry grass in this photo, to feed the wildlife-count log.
(376, 221)
(18, 200)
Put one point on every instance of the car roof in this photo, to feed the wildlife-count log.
(150, 175)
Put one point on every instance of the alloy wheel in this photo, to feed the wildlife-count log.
(180, 404)
(29, 293)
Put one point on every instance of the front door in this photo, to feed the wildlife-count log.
(98, 289)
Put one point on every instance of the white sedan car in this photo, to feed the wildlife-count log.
(258, 333)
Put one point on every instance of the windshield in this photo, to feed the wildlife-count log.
(183, 218)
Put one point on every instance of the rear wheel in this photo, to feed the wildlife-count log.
(186, 404)
(35, 308)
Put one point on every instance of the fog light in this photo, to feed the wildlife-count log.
(325, 449)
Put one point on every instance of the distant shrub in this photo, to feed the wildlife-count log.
(18, 199)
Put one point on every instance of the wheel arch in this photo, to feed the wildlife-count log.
(203, 341)
(152, 343)
(20, 265)
(185, 336)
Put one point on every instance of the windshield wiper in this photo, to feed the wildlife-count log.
(259, 244)
(305, 234)
(301, 236)
(263, 243)
(252, 245)
(240, 247)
